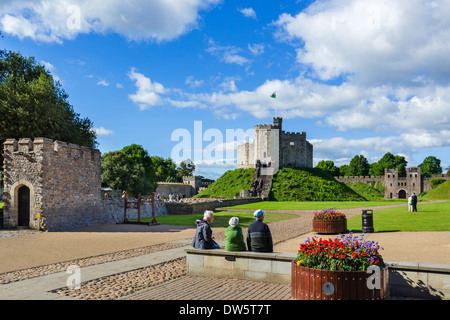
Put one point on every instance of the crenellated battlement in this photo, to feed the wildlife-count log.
(264, 127)
(48, 147)
(294, 134)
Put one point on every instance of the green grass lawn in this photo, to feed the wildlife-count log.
(316, 205)
(430, 217)
(221, 218)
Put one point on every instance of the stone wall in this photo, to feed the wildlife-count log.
(166, 188)
(198, 206)
(64, 183)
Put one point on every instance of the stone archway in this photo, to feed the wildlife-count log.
(23, 208)
(402, 194)
(23, 204)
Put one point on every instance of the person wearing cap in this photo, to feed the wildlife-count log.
(259, 238)
(203, 235)
(234, 238)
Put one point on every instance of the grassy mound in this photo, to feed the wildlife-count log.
(441, 192)
(366, 191)
(302, 184)
(229, 184)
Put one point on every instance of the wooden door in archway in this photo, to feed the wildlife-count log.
(24, 207)
(402, 194)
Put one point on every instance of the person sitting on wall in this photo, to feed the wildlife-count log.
(203, 235)
(234, 238)
(259, 238)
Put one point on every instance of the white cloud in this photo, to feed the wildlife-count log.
(256, 49)
(103, 132)
(248, 12)
(194, 83)
(373, 41)
(227, 54)
(55, 21)
(103, 83)
(148, 93)
(52, 69)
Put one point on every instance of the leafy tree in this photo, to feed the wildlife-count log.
(129, 169)
(33, 104)
(186, 168)
(165, 169)
(389, 161)
(329, 167)
(430, 165)
(359, 166)
(343, 170)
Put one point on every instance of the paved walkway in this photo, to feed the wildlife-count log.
(43, 250)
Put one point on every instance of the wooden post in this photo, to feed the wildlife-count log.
(125, 210)
(153, 209)
(139, 207)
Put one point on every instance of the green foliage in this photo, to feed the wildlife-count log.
(129, 169)
(33, 104)
(430, 165)
(366, 190)
(302, 184)
(186, 168)
(329, 167)
(389, 161)
(229, 184)
(440, 192)
(359, 166)
(436, 181)
(165, 169)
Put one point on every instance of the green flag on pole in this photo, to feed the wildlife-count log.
(274, 95)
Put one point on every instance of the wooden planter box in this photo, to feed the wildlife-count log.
(317, 284)
(330, 226)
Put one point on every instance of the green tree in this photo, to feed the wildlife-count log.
(430, 165)
(359, 166)
(129, 169)
(389, 161)
(186, 168)
(165, 169)
(343, 170)
(33, 104)
(329, 167)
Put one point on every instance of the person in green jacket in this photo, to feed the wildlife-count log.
(234, 239)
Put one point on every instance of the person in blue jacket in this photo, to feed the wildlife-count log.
(203, 235)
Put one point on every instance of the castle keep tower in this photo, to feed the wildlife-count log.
(273, 149)
(50, 184)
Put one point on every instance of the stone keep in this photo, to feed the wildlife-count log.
(275, 149)
(50, 184)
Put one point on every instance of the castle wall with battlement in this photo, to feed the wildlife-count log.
(64, 182)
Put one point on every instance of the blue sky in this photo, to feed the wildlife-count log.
(359, 76)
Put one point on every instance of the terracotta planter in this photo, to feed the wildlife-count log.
(317, 284)
(330, 226)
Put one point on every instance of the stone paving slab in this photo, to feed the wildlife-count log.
(203, 288)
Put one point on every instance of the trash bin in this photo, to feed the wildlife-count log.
(367, 221)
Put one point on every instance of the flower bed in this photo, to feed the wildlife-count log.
(329, 221)
(339, 268)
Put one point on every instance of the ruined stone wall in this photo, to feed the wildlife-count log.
(166, 188)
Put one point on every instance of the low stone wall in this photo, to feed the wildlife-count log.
(406, 279)
(244, 265)
(196, 206)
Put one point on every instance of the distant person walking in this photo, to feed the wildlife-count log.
(203, 235)
(234, 238)
(414, 202)
(259, 238)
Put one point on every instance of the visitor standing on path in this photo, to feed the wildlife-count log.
(414, 202)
